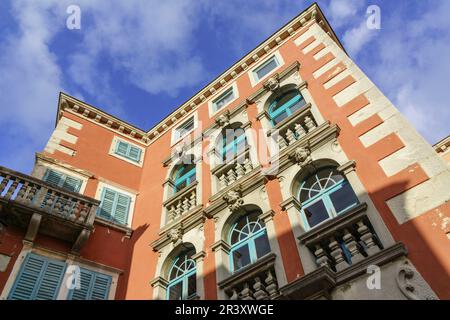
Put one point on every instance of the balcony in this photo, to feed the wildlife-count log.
(181, 203)
(342, 248)
(295, 127)
(233, 170)
(27, 202)
(255, 282)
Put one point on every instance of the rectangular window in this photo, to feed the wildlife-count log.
(114, 206)
(184, 129)
(224, 99)
(93, 286)
(39, 278)
(266, 68)
(61, 180)
(127, 150)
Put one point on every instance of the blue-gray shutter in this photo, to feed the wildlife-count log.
(122, 208)
(39, 278)
(106, 209)
(93, 286)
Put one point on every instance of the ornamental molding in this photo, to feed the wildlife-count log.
(234, 199)
(305, 19)
(411, 283)
(301, 156)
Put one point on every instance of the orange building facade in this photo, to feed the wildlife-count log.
(289, 176)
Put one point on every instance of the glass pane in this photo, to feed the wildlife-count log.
(227, 97)
(175, 291)
(279, 117)
(192, 285)
(343, 198)
(316, 213)
(262, 245)
(264, 70)
(241, 257)
(297, 106)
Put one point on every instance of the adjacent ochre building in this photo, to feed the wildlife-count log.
(289, 176)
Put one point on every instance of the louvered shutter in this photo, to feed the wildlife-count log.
(122, 148)
(101, 286)
(54, 178)
(122, 207)
(134, 154)
(93, 286)
(51, 280)
(39, 278)
(72, 184)
(108, 199)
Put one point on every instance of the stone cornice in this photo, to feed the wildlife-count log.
(312, 14)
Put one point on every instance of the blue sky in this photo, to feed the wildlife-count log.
(139, 59)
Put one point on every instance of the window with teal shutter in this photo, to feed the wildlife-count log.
(114, 206)
(128, 151)
(39, 278)
(61, 180)
(93, 286)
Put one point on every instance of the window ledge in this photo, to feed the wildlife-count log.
(127, 230)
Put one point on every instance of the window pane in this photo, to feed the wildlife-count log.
(280, 117)
(175, 291)
(267, 68)
(343, 198)
(296, 106)
(227, 97)
(316, 213)
(241, 257)
(192, 285)
(262, 245)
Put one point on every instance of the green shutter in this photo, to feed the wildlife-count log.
(114, 206)
(135, 153)
(93, 286)
(122, 207)
(39, 279)
(128, 151)
(122, 148)
(108, 199)
(54, 178)
(61, 180)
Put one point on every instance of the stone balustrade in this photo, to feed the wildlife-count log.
(295, 127)
(181, 202)
(342, 241)
(230, 172)
(255, 282)
(27, 191)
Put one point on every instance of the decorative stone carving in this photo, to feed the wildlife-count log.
(301, 156)
(412, 285)
(223, 120)
(175, 235)
(234, 200)
(272, 84)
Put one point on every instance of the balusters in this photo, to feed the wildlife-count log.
(248, 166)
(281, 142)
(337, 254)
(223, 181)
(271, 285)
(309, 123)
(231, 175)
(12, 188)
(321, 256)
(4, 183)
(31, 194)
(260, 293)
(21, 195)
(240, 172)
(247, 293)
(193, 200)
(366, 236)
(299, 130)
(290, 136)
(352, 246)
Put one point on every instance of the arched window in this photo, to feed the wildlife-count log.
(233, 142)
(184, 176)
(324, 195)
(285, 105)
(182, 278)
(248, 240)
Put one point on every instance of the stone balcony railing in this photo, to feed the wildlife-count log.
(295, 127)
(345, 240)
(181, 202)
(233, 170)
(254, 282)
(40, 207)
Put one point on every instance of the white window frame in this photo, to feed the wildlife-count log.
(212, 103)
(112, 151)
(252, 72)
(98, 196)
(175, 137)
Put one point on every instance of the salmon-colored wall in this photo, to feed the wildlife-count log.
(137, 259)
